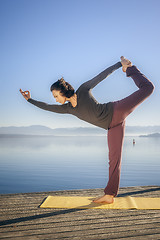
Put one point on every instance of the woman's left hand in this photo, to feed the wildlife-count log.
(25, 94)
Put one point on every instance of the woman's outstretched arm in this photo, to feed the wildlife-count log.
(48, 107)
(94, 81)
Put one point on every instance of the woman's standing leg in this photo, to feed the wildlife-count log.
(115, 144)
(122, 109)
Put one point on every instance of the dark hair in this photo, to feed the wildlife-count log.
(64, 87)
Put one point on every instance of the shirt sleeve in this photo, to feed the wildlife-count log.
(94, 81)
(50, 107)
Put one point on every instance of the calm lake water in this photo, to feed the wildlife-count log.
(33, 164)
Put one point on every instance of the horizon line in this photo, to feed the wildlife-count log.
(77, 126)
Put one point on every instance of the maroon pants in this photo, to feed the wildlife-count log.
(116, 130)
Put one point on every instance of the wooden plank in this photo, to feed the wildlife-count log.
(20, 217)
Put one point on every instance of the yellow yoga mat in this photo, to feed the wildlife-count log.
(86, 203)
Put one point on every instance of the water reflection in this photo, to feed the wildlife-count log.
(58, 163)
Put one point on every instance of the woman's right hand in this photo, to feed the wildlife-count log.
(25, 94)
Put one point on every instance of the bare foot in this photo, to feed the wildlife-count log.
(125, 63)
(104, 199)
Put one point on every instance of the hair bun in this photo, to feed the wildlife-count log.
(63, 86)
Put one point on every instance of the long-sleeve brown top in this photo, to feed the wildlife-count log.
(87, 108)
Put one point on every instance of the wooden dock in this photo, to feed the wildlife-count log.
(21, 218)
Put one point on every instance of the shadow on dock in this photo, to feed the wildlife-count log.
(44, 215)
(139, 192)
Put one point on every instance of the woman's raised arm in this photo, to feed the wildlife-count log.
(101, 76)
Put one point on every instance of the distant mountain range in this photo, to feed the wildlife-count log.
(149, 131)
(151, 135)
(42, 130)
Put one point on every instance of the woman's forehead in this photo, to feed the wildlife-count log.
(55, 92)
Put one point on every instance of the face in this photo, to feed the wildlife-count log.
(58, 96)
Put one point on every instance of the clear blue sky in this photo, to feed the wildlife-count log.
(43, 40)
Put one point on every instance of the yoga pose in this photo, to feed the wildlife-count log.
(110, 116)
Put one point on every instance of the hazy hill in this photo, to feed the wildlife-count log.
(43, 130)
(151, 135)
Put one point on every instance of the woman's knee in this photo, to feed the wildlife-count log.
(150, 88)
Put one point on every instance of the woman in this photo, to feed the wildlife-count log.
(110, 116)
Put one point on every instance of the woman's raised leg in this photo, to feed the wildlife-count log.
(125, 106)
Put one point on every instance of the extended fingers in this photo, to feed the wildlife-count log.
(22, 92)
(25, 92)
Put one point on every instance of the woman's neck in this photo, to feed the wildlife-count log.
(73, 100)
